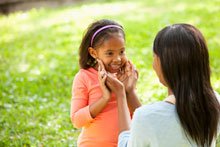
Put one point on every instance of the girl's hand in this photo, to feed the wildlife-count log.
(102, 75)
(128, 76)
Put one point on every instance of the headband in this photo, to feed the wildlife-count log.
(103, 28)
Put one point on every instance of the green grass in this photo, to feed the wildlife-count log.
(39, 58)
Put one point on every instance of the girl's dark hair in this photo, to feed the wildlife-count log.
(84, 57)
(184, 61)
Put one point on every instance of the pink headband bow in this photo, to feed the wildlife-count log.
(103, 28)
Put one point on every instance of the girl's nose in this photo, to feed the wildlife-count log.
(117, 59)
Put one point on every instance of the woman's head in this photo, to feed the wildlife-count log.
(182, 64)
(104, 40)
(182, 53)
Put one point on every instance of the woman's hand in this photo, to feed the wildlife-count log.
(128, 76)
(102, 75)
(115, 86)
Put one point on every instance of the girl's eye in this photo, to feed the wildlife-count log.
(109, 53)
(122, 52)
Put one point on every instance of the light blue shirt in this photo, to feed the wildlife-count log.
(156, 125)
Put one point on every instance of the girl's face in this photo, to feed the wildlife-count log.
(111, 53)
(158, 70)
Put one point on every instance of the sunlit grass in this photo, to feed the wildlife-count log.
(39, 58)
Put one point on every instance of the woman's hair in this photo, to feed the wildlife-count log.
(85, 59)
(184, 61)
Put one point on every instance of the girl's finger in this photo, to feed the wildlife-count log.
(109, 78)
(104, 78)
(99, 63)
(99, 67)
(102, 67)
(122, 78)
(109, 85)
(100, 75)
(127, 68)
(133, 69)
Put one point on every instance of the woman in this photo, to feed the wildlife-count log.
(189, 116)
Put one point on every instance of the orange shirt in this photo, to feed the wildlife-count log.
(102, 131)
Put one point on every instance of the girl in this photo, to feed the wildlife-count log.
(189, 116)
(94, 108)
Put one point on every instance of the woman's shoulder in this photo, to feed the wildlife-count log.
(156, 106)
(155, 116)
(155, 109)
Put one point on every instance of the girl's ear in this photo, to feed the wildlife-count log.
(92, 52)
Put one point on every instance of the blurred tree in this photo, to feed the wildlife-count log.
(7, 6)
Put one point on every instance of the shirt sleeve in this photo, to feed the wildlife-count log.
(138, 136)
(123, 138)
(80, 114)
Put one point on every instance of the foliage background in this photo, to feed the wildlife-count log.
(39, 58)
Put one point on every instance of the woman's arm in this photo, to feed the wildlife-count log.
(123, 113)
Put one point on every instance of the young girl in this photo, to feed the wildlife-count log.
(190, 115)
(94, 108)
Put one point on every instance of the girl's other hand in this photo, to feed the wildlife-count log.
(128, 76)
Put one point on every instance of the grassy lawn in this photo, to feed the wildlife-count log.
(39, 58)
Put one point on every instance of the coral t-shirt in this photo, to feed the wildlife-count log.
(101, 131)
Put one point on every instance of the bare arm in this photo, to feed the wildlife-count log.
(132, 100)
(97, 107)
(123, 113)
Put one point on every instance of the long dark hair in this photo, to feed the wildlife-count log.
(184, 61)
(84, 57)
